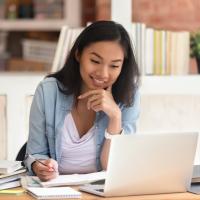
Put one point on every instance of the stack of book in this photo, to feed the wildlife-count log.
(48, 9)
(161, 52)
(10, 174)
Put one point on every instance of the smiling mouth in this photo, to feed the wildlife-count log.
(97, 82)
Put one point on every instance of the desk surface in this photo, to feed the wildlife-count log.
(85, 196)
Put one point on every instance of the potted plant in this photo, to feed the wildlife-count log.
(195, 48)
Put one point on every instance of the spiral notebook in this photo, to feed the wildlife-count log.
(53, 193)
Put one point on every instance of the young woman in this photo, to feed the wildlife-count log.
(77, 110)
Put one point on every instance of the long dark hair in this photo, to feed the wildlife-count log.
(124, 88)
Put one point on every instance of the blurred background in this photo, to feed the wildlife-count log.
(29, 29)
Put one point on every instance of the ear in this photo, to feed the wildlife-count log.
(77, 56)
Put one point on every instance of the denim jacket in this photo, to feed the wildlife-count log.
(48, 111)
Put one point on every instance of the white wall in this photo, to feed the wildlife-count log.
(170, 104)
(17, 87)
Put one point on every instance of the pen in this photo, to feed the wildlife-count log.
(30, 156)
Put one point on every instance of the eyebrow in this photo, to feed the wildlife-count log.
(116, 60)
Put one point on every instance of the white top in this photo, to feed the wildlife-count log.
(78, 155)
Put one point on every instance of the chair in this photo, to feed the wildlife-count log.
(21, 153)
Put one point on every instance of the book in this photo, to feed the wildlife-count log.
(8, 166)
(73, 179)
(53, 193)
(11, 184)
(149, 48)
(10, 178)
(15, 176)
(59, 49)
(13, 192)
(20, 171)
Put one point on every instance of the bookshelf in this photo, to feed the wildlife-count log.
(71, 17)
(13, 57)
(32, 24)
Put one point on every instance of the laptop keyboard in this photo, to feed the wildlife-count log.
(100, 190)
(99, 182)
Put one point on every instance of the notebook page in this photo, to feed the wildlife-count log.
(74, 179)
(50, 193)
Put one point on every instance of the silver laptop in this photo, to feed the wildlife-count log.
(148, 164)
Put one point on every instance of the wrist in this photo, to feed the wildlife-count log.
(109, 135)
(33, 165)
(116, 116)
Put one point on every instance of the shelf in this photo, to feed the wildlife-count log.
(182, 85)
(32, 24)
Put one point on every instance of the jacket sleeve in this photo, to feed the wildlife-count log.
(37, 144)
(130, 115)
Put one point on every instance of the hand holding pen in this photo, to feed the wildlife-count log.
(45, 169)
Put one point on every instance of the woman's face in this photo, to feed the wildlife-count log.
(100, 65)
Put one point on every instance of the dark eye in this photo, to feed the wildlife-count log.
(114, 66)
(95, 61)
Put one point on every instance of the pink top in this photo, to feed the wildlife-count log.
(78, 155)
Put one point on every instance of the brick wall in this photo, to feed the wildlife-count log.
(103, 8)
(168, 14)
(164, 14)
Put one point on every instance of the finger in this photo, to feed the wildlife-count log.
(52, 164)
(43, 178)
(92, 99)
(46, 173)
(97, 108)
(94, 105)
(46, 177)
(42, 167)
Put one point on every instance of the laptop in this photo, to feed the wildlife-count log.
(142, 164)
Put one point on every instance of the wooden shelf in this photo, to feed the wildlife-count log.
(72, 18)
(32, 24)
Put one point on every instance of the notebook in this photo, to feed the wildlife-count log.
(53, 193)
(73, 179)
(12, 176)
(142, 164)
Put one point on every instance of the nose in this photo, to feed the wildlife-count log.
(103, 72)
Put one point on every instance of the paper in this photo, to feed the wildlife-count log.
(50, 193)
(20, 171)
(28, 181)
(8, 166)
(74, 179)
(11, 184)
